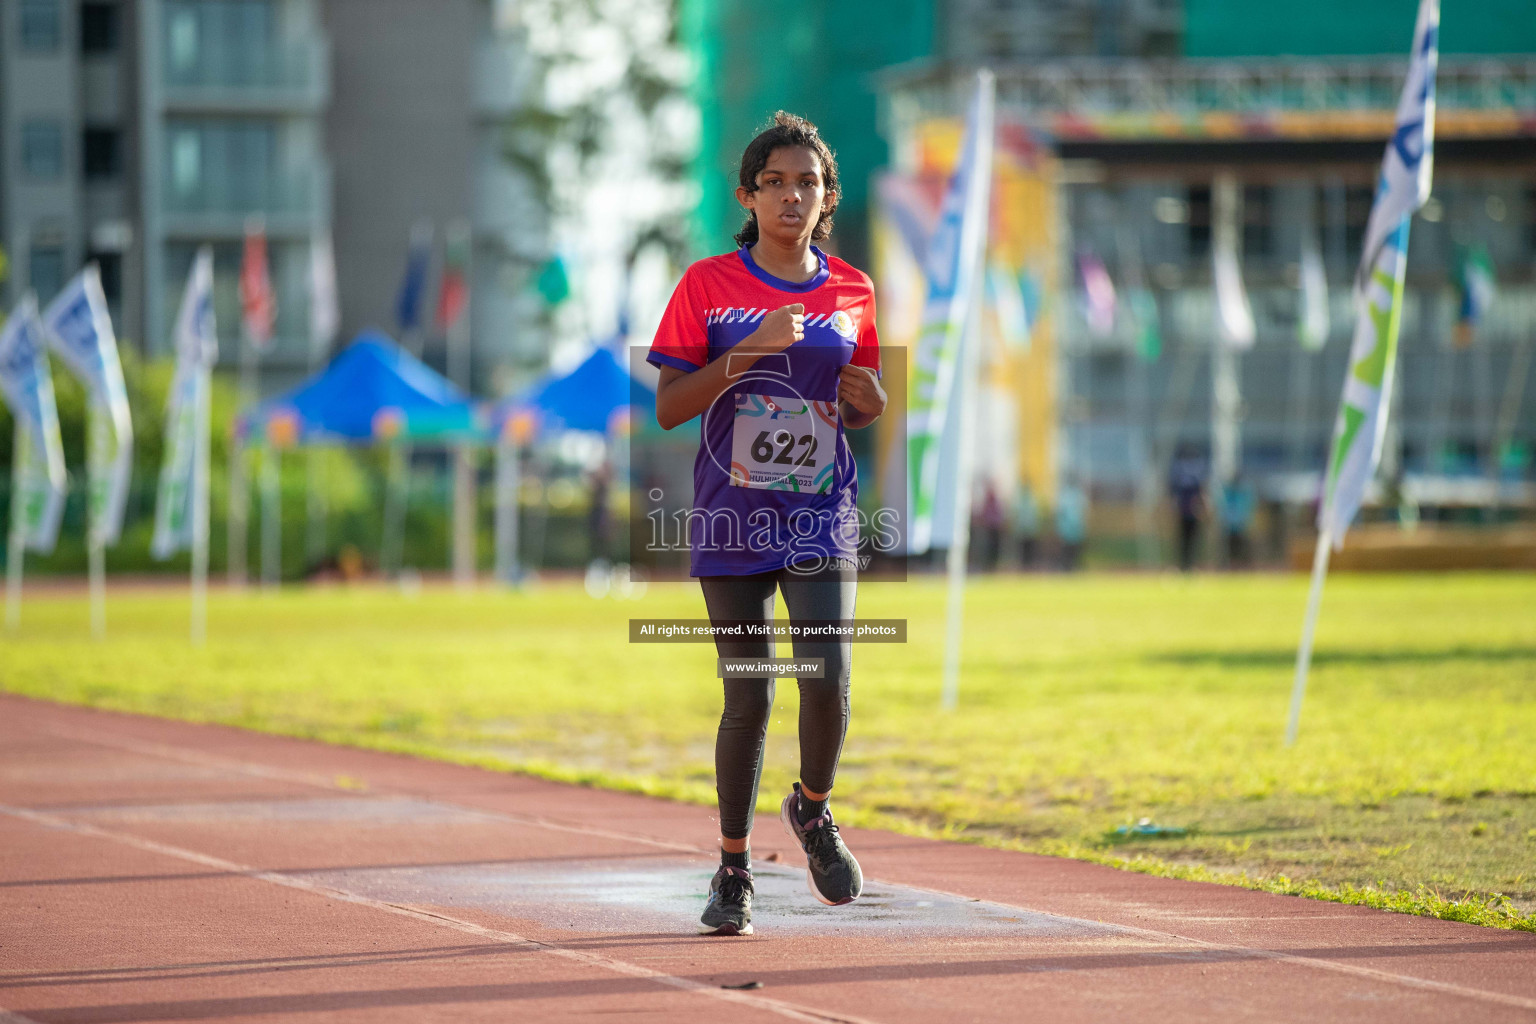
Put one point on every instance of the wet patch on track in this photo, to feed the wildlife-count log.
(668, 896)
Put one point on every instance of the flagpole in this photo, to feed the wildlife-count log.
(460, 354)
(16, 541)
(979, 205)
(239, 485)
(201, 468)
(959, 548)
(396, 489)
(271, 516)
(463, 515)
(96, 548)
(507, 569)
(1308, 628)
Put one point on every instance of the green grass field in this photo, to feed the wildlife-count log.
(1087, 703)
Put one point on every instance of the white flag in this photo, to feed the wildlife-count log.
(80, 331)
(27, 384)
(1312, 325)
(197, 349)
(954, 260)
(1361, 425)
(324, 307)
(1234, 316)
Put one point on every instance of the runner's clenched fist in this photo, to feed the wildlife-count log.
(860, 388)
(779, 330)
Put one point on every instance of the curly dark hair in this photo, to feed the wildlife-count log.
(789, 130)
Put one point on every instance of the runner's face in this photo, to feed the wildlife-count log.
(789, 197)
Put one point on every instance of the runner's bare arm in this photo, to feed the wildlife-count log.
(860, 398)
(681, 395)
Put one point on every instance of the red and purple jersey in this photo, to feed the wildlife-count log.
(774, 481)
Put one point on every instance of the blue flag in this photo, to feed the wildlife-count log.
(1406, 169)
(27, 384)
(414, 285)
(186, 416)
(80, 331)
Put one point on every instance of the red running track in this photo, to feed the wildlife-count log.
(161, 871)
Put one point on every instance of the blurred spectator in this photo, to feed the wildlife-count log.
(987, 528)
(599, 526)
(1026, 525)
(1071, 521)
(1237, 508)
(1187, 485)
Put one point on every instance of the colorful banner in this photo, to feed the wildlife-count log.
(1406, 171)
(186, 420)
(80, 330)
(954, 261)
(27, 384)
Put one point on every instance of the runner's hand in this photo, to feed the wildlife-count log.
(779, 329)
(860, 388)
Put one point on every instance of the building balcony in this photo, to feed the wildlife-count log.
(292, 78)
(1227, 99)
(292, 205)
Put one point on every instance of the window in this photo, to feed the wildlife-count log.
(219, 42)
(103, 151)
(99, 27)
(45, 271)
(221, 163)
(40, 25)
(184, 42)
(1199, 223)
(186, 161)
(42, 150)
(1258, 235)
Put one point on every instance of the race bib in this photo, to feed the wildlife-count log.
(783, 444)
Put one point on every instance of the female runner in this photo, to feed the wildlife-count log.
(775, 345)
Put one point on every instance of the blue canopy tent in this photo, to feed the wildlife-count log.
(372, 391)
(589, 398)
(599, 396)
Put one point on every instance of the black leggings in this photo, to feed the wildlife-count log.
(827, 595)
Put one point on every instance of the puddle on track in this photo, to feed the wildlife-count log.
(668, 896)
(602, 896)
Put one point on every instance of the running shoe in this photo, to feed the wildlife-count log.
(729, 909)
(831, 872)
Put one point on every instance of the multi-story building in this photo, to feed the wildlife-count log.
(69, 154)
(232, 98)
(1296, 102)
(134, 131)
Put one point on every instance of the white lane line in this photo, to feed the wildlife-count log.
(318, 781)
(1255, 952)
(1260, 953)
(7, 1017)
(780, 1007)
